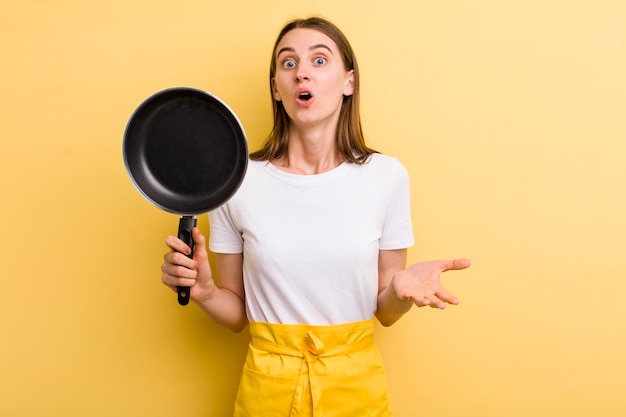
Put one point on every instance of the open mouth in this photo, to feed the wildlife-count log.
(305, 96)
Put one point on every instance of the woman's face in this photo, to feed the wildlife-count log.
(311, 79)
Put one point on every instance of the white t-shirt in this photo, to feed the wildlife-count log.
(311, 242)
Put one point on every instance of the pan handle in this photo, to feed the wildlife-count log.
(185, 226)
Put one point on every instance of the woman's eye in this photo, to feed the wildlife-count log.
(320, 61)
(289, 64)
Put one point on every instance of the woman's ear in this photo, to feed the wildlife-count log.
(275, 91)
(349, 88)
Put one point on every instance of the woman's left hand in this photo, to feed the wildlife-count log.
(421, 282)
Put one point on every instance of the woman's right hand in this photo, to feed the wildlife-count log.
(224, 304)
(178, 270)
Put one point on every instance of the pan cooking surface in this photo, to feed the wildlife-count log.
(185, 151)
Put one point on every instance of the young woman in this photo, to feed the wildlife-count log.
(313, 245)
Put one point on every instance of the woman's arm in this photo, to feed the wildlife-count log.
(224, 303)
(420, 284)
(390, 307)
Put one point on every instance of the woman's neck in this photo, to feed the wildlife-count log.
(310, 152)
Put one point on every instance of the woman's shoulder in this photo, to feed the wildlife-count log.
(256, 166)
(256, 162)
(382, 161)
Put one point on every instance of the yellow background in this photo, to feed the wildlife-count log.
(509, 115)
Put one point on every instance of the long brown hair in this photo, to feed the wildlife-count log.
(350, 141)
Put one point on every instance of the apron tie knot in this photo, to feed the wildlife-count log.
(314, 344)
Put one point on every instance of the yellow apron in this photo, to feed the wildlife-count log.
(313, 371)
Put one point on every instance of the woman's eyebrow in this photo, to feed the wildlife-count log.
(285, 49)
(316, 46)
(321, 45)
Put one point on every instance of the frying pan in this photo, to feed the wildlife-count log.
(186, 152)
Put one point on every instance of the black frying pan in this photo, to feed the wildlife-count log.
(187, 153)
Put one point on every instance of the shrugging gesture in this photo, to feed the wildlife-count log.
(418, 284)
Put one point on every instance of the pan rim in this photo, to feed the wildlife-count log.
(221, 194)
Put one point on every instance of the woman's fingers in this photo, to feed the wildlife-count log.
(420, 301)
(432, 301)
(455, 264)
(177, 245)
(421, 282)
(199, 242)
(439, 299)
(178, 270)
(177, 258)
(446, 296)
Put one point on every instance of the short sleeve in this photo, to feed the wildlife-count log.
(225, 235)
(398, 227)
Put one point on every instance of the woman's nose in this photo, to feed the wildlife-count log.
(302, 74)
